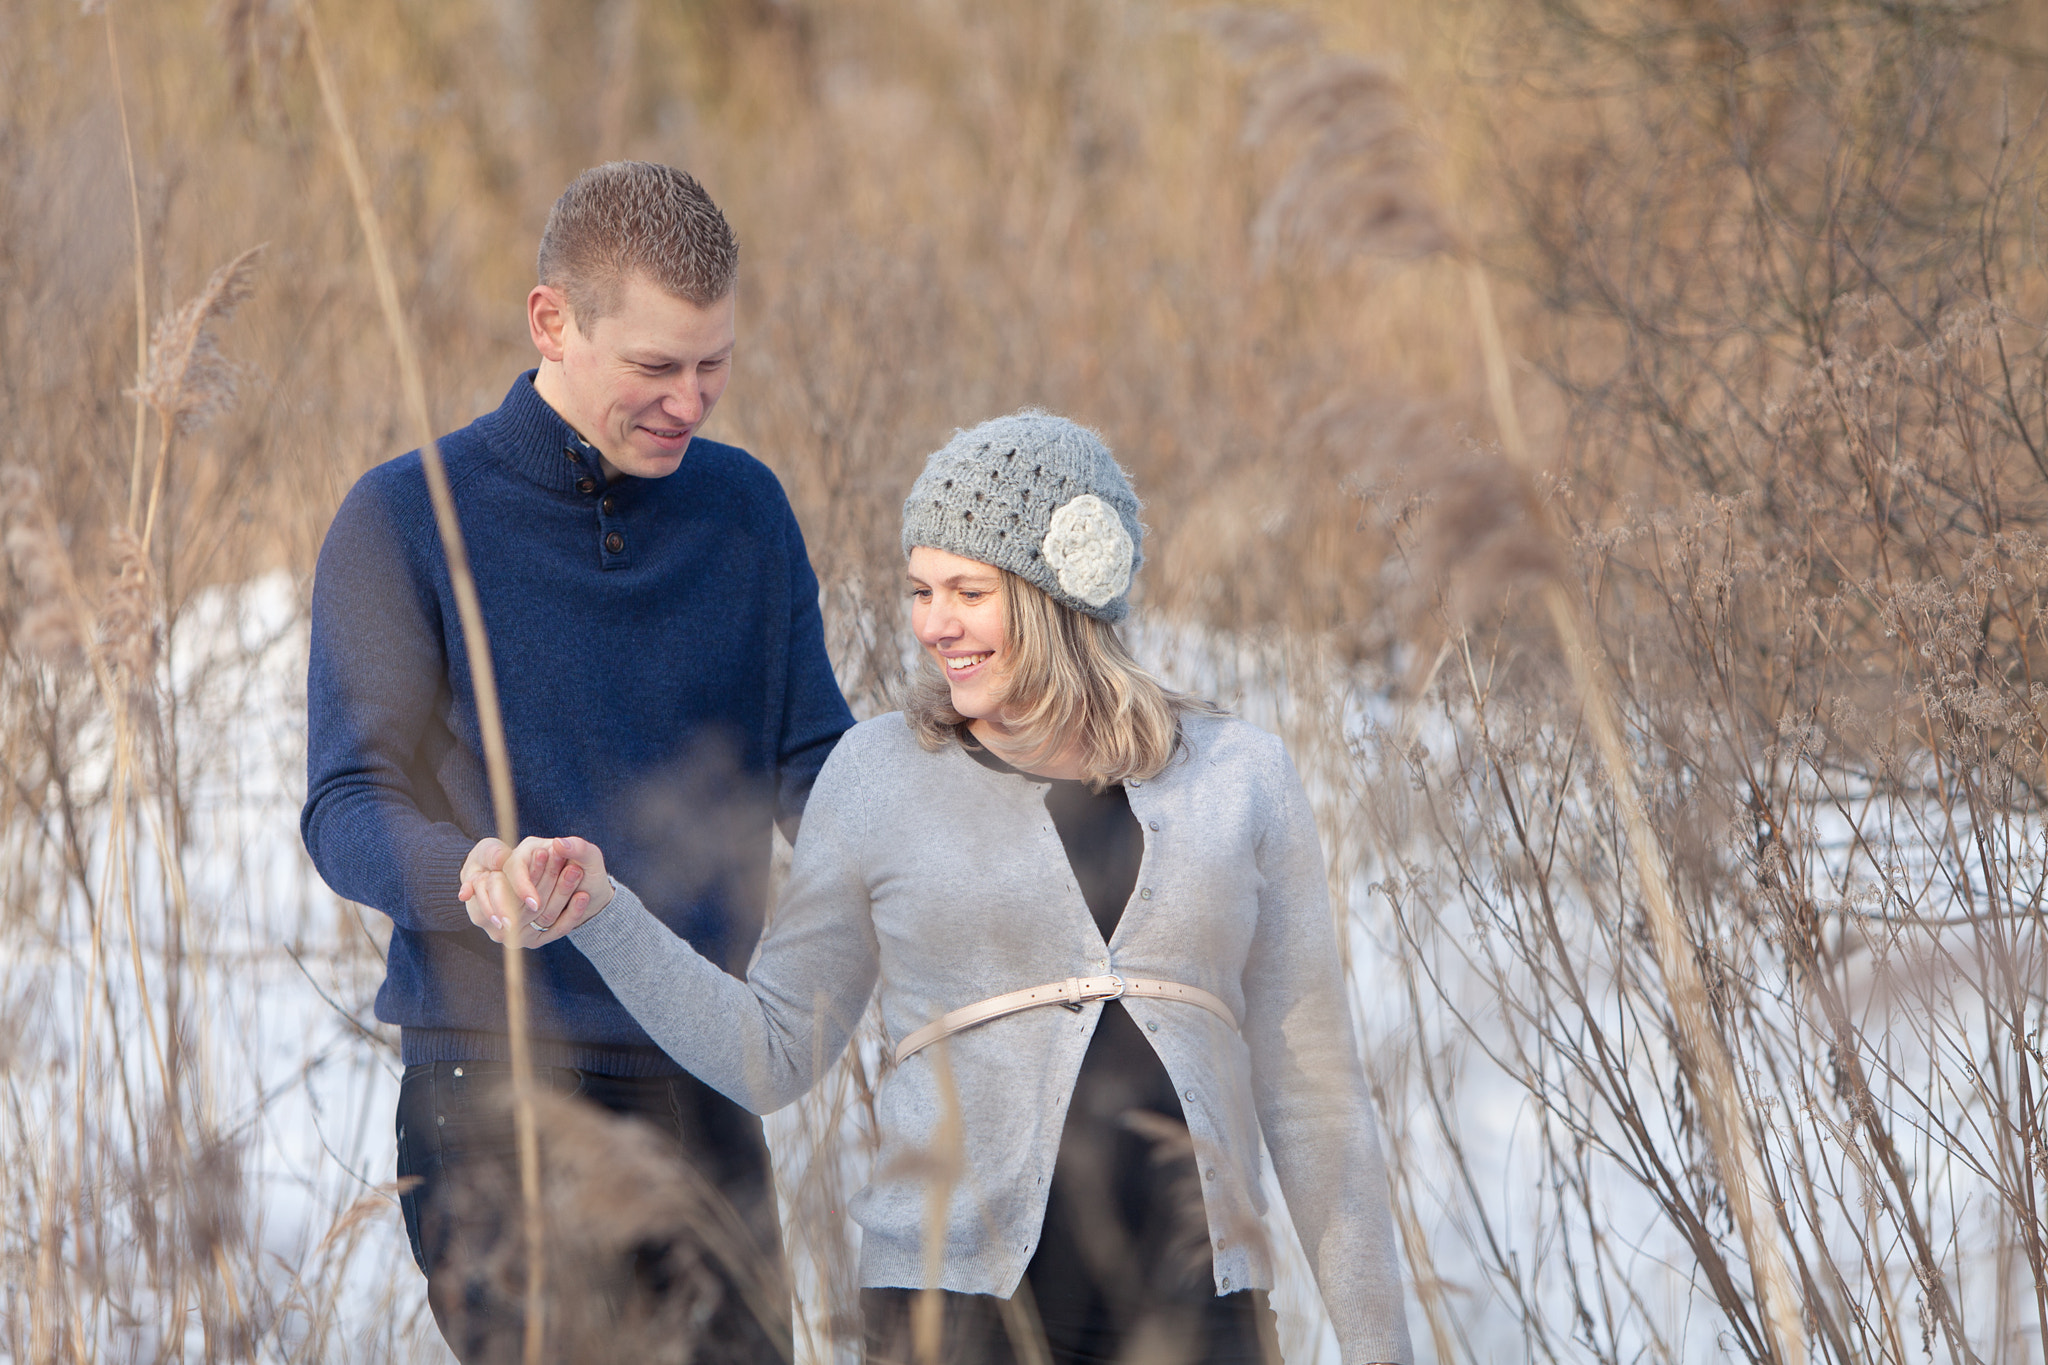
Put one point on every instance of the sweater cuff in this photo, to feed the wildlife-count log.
(617, 932)
(434, 875)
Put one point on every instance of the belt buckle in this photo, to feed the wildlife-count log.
(1074, 1005)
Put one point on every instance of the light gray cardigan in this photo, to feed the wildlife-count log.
(947, 882)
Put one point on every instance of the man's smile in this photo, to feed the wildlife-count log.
(670, 438)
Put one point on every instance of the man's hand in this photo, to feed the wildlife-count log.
(488, 856)
(486, 891)
(535, 893)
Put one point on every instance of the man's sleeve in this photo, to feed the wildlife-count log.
(814, 713)
(376, 672)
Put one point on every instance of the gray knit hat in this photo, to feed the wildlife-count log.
(1040, 496)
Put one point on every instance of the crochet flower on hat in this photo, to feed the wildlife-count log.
(1089, 549)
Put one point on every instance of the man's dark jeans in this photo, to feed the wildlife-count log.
(452, 1120)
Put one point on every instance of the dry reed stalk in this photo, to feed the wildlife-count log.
(1703, 1052)
(141, 282)
(490, 722)
(945, 1162)
(45, 565)
(43, 1300)
(185, 381)
(1358, 189)
(1429, 1285)
(943, 1165)
(69, 622)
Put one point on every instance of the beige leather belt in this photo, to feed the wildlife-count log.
(1073, 992)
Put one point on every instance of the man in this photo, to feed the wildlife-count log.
(654, 627)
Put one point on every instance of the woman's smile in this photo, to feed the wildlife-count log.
(956, 609)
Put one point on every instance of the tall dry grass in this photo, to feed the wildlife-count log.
(1769, 298)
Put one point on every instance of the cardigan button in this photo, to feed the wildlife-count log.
(574, 457)
(607, 505)
(1152, 825)
(586, 485)
(615, 542)
(1188, 1095)
(1152, 1025)
(1146, 894)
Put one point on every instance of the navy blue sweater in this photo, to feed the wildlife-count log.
(666, 693)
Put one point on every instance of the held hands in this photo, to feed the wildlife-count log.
(536, 893)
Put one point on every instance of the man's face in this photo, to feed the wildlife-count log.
(644, 377)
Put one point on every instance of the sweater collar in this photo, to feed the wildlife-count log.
(535, 442)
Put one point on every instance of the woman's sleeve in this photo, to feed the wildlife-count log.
(762, 1041)
(1310, 1090)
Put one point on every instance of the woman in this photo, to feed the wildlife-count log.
(1045, 826)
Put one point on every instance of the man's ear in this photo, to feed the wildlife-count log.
(548, 319)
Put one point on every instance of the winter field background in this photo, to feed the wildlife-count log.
(1487, 369)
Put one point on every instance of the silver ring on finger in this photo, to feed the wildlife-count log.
(538, 926)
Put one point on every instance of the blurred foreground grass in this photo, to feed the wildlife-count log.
(1772, 276)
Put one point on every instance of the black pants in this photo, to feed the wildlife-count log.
(679, 1209)
(1082, 1324)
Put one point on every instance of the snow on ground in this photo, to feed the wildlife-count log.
(303, 1074)
(298, 1073)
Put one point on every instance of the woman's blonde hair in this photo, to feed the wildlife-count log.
(1068, 681)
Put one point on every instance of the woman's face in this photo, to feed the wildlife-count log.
(956, 611)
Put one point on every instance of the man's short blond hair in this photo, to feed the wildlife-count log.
(628, 218)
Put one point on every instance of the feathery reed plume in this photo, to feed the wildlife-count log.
(1355, 181)
(47, 626)
(256, 36)
(208, 1185)
(1250, 34)
(187, 380)
(1358, 188)
(1468, 541)
(635, 1243)
(484, 679)
(128, 628)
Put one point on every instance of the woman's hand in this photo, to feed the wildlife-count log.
(536, 893)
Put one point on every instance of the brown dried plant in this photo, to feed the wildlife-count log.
(477, 653)
(639, 1247)
(128, 617)
(953, 209)
(1796, 320)
(46, 622)
(1356, 169)
(187, 381)
(1359, 185)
